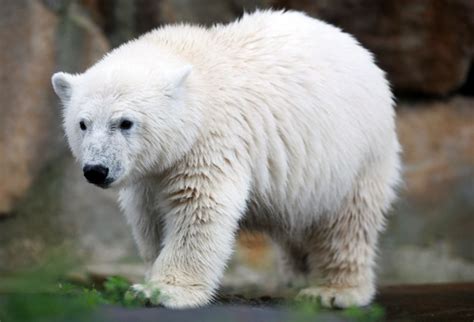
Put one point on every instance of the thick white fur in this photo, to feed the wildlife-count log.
(277, 122)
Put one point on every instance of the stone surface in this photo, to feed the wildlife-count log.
(425, 46)
(437, 140)
(26, 116)
(80, 42)
(437, 200)
(55, 206)
(63, 213)
(30, 118)
(204, 12)
(122, 20)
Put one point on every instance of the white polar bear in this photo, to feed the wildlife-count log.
(277, 123)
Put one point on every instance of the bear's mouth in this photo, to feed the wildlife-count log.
(104, 185)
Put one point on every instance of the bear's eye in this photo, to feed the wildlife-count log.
(126, 125)
(82, 125)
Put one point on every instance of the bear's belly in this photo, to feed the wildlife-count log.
(275, 219)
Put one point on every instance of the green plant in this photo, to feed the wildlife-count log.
(40, 294)
(310, 310)
(374, 313)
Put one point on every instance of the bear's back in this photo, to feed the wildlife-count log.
(319, 110)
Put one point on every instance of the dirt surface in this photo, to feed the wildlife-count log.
(435, 302)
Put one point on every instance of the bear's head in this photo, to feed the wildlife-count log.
(127, 117)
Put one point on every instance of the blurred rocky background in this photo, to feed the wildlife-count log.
(426, 47)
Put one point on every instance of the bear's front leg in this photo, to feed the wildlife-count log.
(199, 231)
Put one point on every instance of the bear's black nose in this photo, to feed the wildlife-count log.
(95, 174)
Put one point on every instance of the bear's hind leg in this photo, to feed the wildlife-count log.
(292, 263)
(343, 248)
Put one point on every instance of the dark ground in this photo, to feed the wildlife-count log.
(435, 302)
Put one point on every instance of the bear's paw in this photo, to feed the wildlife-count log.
(171, 296)
(338, 297)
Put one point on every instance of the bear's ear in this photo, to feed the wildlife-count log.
(179, 76)
(62, 84)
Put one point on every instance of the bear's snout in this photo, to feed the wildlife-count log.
(96, 174)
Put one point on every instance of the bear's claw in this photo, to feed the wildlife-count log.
(144, 293)
(334, 297)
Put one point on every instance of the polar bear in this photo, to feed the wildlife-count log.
(278, 123)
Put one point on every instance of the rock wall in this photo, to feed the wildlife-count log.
(30, 52)
(47, 202)
(25, 115)
(426, 47)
